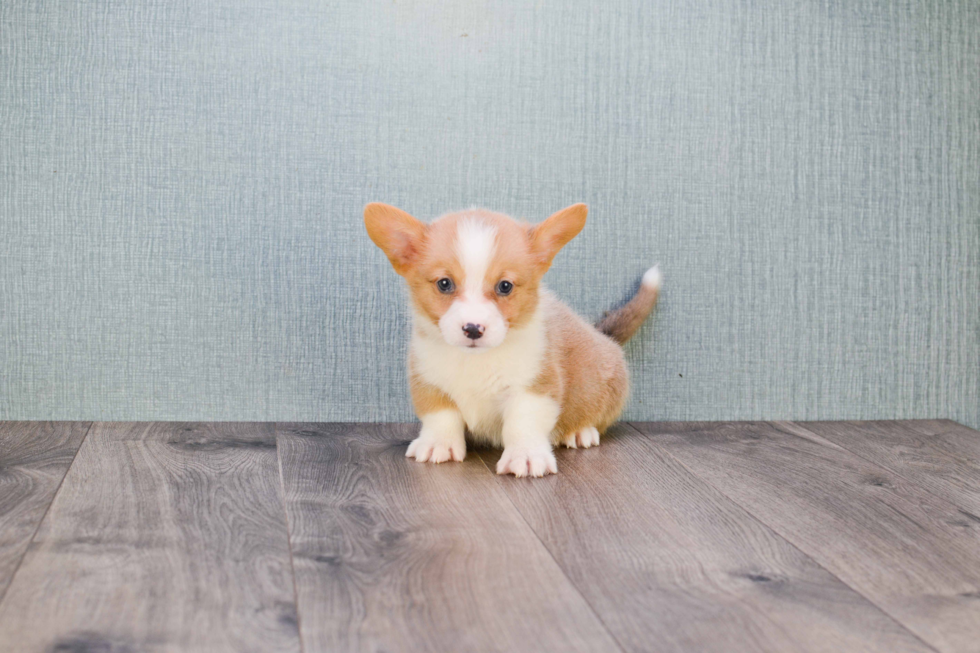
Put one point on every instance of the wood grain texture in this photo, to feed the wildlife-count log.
(395, 555)
(163, 537)
(34, 457)
(938, 455)
(911, 553)
(670, 564)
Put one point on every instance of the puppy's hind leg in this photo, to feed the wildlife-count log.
(583, 438)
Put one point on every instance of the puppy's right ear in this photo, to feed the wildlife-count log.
(397, 233)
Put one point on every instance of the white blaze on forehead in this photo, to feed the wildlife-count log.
(475, 246)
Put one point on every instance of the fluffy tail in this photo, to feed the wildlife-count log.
(621, 324)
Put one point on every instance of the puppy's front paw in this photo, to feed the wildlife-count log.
(584, 438)
(527, 461)
(435, 448)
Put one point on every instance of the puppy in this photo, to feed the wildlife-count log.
(494, 355)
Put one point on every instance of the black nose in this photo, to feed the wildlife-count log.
(473, 331)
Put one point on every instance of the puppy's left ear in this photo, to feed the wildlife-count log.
(397, 233)
(555, 232)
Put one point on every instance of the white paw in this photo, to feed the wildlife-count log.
(584, 438)
(527, 461)
(436, 449)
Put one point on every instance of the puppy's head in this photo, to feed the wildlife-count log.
(475, 274)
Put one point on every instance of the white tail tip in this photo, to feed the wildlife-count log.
(653, 278)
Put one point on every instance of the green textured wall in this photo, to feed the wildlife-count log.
(181, 186)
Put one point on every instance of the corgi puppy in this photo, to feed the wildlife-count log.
(494, 356)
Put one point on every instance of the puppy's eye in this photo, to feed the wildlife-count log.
(445, 285)
(504, 288)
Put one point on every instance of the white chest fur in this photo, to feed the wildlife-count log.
(479, 382)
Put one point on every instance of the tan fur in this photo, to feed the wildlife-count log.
(622, 323)
(582, 369)
(397, 233)
(555, 232)
(425, 254)
(426, 398)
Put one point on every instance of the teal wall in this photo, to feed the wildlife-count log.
(181, 185)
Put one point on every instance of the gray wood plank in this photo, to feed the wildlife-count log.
(913, 554)
(670, 564)
(163, 537)
(34, 457)
(395, 555)
(940, 456)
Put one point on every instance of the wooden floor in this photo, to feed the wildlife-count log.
(833, 536)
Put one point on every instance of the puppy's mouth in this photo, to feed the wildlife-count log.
(474, 347)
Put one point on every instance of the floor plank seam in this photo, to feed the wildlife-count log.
(666, 452)
(289, 541)
(499, 479)
(682, 516)
(876, 463)
(46, 511)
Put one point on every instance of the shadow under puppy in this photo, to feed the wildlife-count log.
(493, 353)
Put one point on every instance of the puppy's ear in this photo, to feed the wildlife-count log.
(397, 233)
(555, 232)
